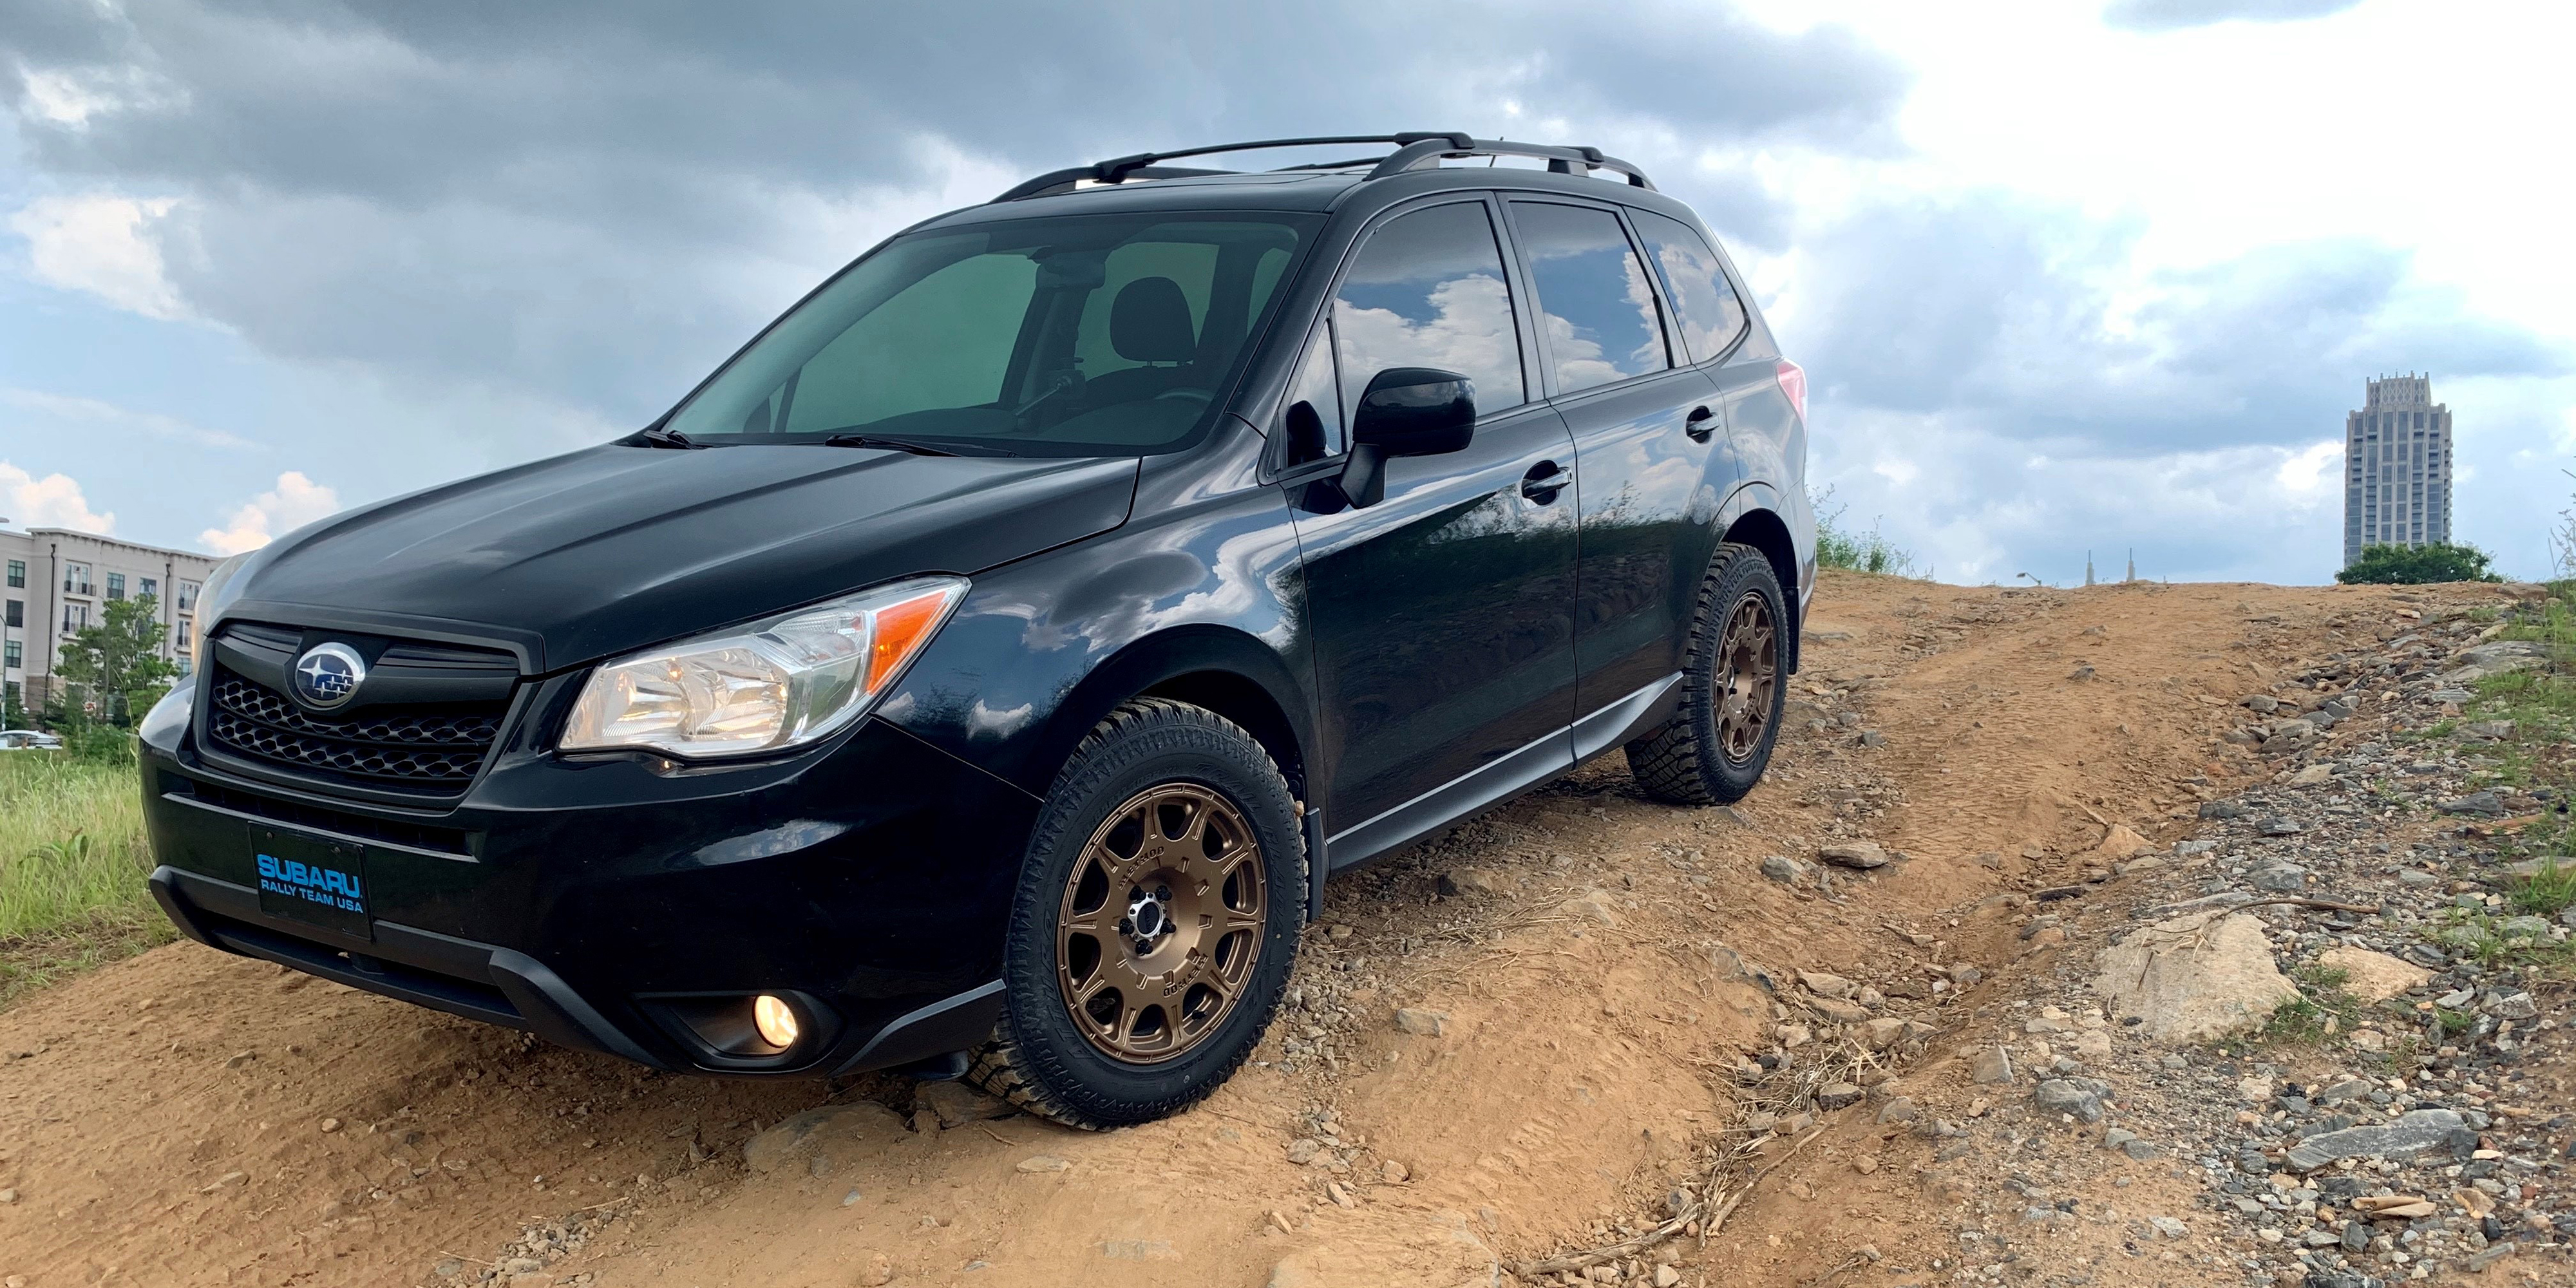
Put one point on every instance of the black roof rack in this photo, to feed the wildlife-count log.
(1413, 151)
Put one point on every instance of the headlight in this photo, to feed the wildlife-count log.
(208, 593)
(778, 684)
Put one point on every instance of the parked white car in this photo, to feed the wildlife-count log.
(28, 740)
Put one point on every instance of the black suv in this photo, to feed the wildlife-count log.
(980, 672)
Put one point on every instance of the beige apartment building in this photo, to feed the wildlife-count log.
(59, 581)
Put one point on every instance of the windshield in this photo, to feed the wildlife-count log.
(1087, 335)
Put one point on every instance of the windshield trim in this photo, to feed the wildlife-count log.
(1310, 227)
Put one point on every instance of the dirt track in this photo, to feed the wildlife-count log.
(190, 1118)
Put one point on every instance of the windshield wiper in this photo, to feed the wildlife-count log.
(670, 438)
(909, 445)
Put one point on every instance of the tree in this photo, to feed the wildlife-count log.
(2417, 565)
(119, 661)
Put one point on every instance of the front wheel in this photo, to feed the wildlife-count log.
(1715, 748)
(1158, 913)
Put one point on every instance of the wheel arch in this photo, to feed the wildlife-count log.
(1760, 526)
(1227, 671)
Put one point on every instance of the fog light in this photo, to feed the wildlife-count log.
(775, 1019)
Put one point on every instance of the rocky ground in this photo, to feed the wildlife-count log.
(2138, 935)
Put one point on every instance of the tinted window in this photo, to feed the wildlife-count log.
(1711, 313)
(1428, 291)
(1066, 336)
(1593, 296)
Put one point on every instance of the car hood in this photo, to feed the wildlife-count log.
(572, 559)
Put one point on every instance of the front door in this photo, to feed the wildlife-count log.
(1441, 616)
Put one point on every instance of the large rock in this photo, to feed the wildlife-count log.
(2202, 975)
(2411, 1134)
(2372, 977)
(861, 1123)
(1855, 854)
(2122, 842)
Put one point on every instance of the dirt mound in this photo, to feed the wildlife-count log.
(1592, 985)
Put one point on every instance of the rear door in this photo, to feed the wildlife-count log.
(1442, 615)
(1646, 426)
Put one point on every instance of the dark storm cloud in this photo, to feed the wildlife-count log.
(598, 199)
(2021, 320)
(2168, 15)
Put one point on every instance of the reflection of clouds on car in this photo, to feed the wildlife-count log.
(1463, 324)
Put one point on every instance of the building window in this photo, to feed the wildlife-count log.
(76, 579)
(184, 664)
(187, 596)
(184, 624)
(11, 655)
(75, 618)
(116, 585)
(151, 588)
(17, 613)
(17, 574)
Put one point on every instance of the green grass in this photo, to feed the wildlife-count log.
(2321, 1012)
(72, 868)
(2549, 891)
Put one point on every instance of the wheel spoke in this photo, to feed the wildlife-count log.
(1185, 867)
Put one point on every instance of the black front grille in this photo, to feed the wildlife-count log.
(430, 748)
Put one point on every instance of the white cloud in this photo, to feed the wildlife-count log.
(294, 502)
(2311, 475)
(54, 501)
(102, 245)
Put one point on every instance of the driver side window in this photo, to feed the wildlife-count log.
(1313, 421)
(1428, 290)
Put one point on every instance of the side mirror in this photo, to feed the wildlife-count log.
(1406, 411)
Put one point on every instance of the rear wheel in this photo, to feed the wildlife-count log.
(1157, 915)
(1715, 748)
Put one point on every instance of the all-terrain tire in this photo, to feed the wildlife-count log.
(1687, 759)
(1039, 1059)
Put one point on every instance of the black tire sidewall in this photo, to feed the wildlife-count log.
(1742, 569)
(1168, 744)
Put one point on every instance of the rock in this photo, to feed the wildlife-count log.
(2502, 657)
(1469, 882)
(1591, 905)
(2202, 975)
(2515, 1006)
(2523, 927)
(1992, 1066)
(2081, 1097)
(1421, 1023)
(955, 1104)
(1038, 1163)
(1881, 1033)
(863, 1119)
(2486, 802)
(1837, 1095)
(2282, 825)
(1731, 965)
(2165, 1227)
(878, 1272)
(1783, 869)
(2313, 776)
(2122, 842)
(1824, 985)
(1899, 1110)
(1857, 854)
(2093, 1046)
(1393, 1173)
(2260, 703)
(2279, 876)
(2411, 1134)
(2223, 810)
(2373, 977)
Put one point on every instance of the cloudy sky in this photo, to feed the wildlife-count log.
(2064, 275)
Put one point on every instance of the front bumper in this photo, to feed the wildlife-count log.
(567, 897)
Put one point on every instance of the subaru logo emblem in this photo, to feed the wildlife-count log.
(327, 676)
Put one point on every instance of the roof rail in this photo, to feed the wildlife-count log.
(1412, 151)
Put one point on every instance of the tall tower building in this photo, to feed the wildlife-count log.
(2397, 467)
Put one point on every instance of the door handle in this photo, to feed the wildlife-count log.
(1544, 481)
(1700, 423)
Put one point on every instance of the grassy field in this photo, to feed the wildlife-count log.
(72, 865)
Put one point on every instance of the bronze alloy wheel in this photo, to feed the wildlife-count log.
(1747, 669)
(1161, 923)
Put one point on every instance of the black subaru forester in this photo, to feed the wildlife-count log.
(980, 672)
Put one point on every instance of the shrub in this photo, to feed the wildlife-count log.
(2417, 565)
(1839, 547)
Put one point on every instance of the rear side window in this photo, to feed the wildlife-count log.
(1593, 295)
(1712, 315)
(1428, 290)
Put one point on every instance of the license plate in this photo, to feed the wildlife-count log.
(311, 879)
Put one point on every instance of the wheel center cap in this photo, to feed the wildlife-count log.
(1147, 916)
